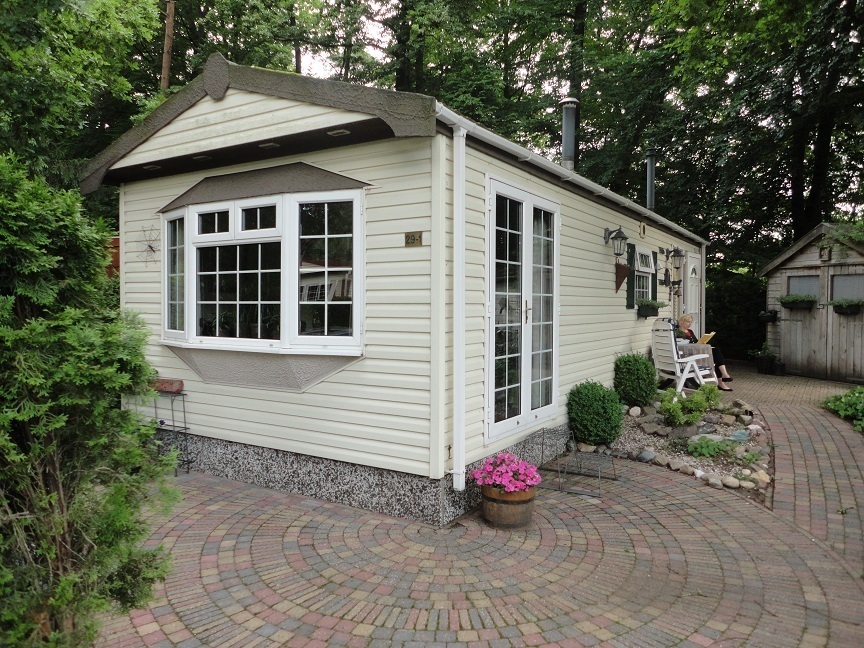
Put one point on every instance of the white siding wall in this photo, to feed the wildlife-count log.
(376, 411)
(259, 117)
(595, 324)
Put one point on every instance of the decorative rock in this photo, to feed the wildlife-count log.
(650, 409)
(660, 460)
(730, 482)
(755, 429)
(712, 437)
(740, 451)
(698, 474)
(746, 472)
(584, 447)
(740, 436)
(748, 485)
(600, 449)
(744, 419)
(676, 464)
(645, 456)
(649, 428)
(686, 470)
(683, 432)
(707, 428)
(635, 411)
(714, 481)
(658, 419)
(714, 419)
(634, 454)
(761, 475)
(728, 419)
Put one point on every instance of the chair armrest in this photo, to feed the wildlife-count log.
(696, 356)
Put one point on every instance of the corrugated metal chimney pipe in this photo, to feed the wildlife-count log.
(650, 162)
(568, 132)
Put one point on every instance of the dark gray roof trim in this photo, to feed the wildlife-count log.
(285, 178)
(405, 114)
(817, 232)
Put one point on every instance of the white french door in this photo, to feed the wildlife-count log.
(523, 311)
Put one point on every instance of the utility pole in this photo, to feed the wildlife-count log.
(169, 44)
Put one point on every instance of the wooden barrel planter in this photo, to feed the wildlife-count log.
(505, 510)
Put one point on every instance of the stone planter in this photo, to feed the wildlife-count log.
(505, 510)
(847, 310)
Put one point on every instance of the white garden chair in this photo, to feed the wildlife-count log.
(669, 362)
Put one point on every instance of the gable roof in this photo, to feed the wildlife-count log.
(810, 237)
(393, 114)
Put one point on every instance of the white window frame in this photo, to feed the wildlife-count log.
(287, 233)
(167, 219)
(528, 419)
(643, 270)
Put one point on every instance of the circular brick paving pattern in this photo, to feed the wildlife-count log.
(652, 563)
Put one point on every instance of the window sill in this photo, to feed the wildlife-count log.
(352, 351)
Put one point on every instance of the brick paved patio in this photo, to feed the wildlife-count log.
(658, 561)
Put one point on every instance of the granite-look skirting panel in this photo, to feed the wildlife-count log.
(431, 501)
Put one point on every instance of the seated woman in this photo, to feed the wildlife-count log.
(684, 324)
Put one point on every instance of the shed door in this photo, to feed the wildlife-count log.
(845, 354)
(692, 293)
(803, 342)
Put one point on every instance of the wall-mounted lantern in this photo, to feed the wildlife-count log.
(619, 241)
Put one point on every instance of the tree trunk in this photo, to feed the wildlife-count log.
(168, 46)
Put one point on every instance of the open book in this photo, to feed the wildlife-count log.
(706, 338)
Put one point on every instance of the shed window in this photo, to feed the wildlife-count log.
(804, 285)
(847, 286)
(276, 273)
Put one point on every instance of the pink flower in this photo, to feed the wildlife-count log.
(507, 472)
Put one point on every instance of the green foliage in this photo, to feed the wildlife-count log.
(682, 411)
(764, 351)
(846, 302)
(651, 303)
(704, 447)
(848, 406)
(635, 379)
(75, 468)
(711, 394)
(734, 299)
(595, 413)
(794, 297)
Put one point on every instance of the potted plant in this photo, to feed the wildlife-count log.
(798, 302)
(847, 306)
(768, 317)
(764, 358)
(649, 307)
(508, 486)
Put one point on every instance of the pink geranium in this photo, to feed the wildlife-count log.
(507, 472)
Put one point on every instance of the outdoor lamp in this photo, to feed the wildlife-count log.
(618, 238)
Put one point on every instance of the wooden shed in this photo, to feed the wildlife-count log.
(818, 340)
(366, 294)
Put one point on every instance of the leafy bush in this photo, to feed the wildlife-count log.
(710, 448)
(764, 352)
(848, 406)
(75, 469)
(711, 394)
(595, 413)
(679, 411)
(635, 379)
(794, 297)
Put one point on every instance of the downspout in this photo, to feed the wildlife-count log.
(459, 136)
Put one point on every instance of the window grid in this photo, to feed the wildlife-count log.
(508, 308)
(643, 286)
(176, 274)
(239, 291)
(325, 277)
(214, 222)
(542, 315)
(258, 218)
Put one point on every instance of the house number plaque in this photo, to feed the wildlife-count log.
(413, 239)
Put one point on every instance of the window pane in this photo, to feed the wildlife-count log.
(270, 286)
(222, 221)
(207, 319)
(312, 253)
(339, 252)
(227, 320)
(249, 257)
(227, 287)
(312, 219)
(249, 286)
(176, 263)
(339, 319)
(342, 285)
(271, 256)
(806, 285)
(340, 218)
(207, 223)
(270, 321)
(207, 288)
(227, 257)
(312, 319)
(250, 219)
(267, 217)
(248, 321)
(847, 286)
(207, 259)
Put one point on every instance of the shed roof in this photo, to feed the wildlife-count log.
(810, 237)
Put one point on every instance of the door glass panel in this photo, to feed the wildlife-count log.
(508, 304)
(543, 272)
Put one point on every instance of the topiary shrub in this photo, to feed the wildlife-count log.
(595, 413)
(635, 379)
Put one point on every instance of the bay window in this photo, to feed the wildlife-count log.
(276, 273)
